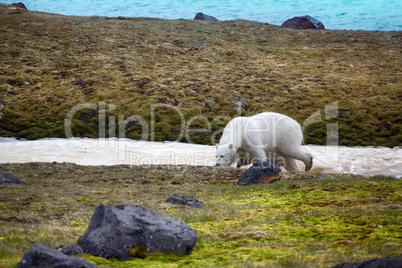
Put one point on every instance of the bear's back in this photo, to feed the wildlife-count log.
(275, 120)
(273, 128)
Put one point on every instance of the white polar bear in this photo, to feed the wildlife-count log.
(266, 136)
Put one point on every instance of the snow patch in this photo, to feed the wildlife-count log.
(113, 151)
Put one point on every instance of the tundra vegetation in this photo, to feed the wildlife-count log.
(300, 221)
(206, 69)
(51, 64)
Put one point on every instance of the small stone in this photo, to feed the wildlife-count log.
(198, 45)
(182, 200)
(40, 256)
(7, 178)
(374, 263)
(260, 173)
(322, 176)
(19, 5)
(202, 16)
(305, 22)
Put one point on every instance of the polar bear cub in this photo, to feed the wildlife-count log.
(265, 136)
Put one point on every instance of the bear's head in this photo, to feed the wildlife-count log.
(225, 155)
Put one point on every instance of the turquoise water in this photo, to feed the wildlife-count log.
(370, 15)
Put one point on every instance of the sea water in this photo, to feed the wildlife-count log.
(369, 15)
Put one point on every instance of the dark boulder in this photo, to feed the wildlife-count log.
(260, 173)
(182, 200)
(202, 16)
(19, 5)
(40, 256)
(305, 22)
(119, 231)
(7, 178)
(375, 263)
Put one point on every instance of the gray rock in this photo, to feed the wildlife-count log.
(322, 176)
(198, 45)
(375, 263)
(202, 16)
(7, 178)
(19, 5)
(182, 200)
(260, 173)
(40, 256)
(305, 22)
(113, 230)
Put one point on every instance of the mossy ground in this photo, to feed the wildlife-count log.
(301, 221)
(51, 63)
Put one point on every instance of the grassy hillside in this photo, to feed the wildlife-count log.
(200, 73)
(301, 221)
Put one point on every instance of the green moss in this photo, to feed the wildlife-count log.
(4, 133)
(58, 132)
(163, 131)
(33, 133)
(138, 252)
(135, 132)
(312, 140)
(397, 139)
(297, 221)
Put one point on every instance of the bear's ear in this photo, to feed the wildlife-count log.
(231, 146)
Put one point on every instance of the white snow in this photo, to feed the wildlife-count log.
(84, 151)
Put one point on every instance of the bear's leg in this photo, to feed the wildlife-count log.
(242, 159)
(309, 162)
(291, 165)
(239, 163)
(258, 155)
(301, 154)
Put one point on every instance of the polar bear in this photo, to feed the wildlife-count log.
(265, 136)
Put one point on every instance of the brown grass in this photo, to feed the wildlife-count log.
(51, 63)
